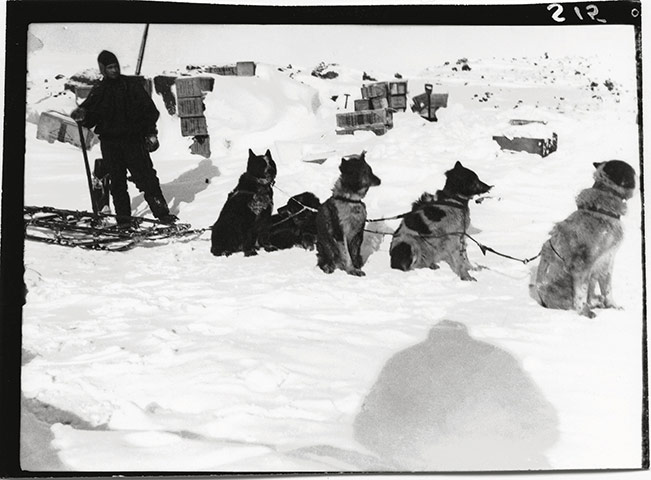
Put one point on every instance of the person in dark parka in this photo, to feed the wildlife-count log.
(124, 117)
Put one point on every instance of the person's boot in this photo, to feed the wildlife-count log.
(160, 210)
(168, 219)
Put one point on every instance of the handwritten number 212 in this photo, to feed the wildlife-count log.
(591, 10)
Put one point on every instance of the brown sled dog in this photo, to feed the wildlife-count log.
(581, 249)
(341, 219)
(433, 231)
(246, 214)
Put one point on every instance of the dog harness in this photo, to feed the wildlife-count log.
(346, 199)
(602, 212)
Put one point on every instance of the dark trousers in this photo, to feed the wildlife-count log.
(129, 155)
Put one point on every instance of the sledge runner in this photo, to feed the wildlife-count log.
(124, 117)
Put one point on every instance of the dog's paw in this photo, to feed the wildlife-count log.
(478, 268)
(250, 253)
(586, 312)
(356, 272)
(434, 266)
(612, 305)
(467, 277)
(327, 268)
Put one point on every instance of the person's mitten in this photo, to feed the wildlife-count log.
(78, 114)
(151, 143)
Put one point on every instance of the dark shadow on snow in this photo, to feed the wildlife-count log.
(185, 187)
(455, 403)
(36, 419)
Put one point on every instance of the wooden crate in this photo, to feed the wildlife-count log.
(376, 128)
(537, 146)
(193, 86)
(191, 107)
(56, 127)
(398, 102)
(520, 122)
(245, 69)
(227, 70)
(378, 121)
(364, 117)
(192, 126)
(374, 90)
(379, 103)
(201, 146)
(363, 104)
(398, 88)
(437, 100)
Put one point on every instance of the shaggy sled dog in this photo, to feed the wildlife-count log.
(433, 231)
(581, 249)
(341, 219)
(247, 212)
(294, 224)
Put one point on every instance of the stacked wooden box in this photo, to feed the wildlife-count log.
(378, 121)
(539, 141)
(374, 111)
(54, 126)
(398, 95)
(190, 93)
(240, 69)
(537, 146)
(383, 95)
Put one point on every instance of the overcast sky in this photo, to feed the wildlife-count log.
(399, 48)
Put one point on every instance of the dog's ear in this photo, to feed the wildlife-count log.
(458, 164)
(363, 155)
(343, 166)
(267, 154)
(251, 154)
(598, 164)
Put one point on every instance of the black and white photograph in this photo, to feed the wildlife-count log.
(325, 239)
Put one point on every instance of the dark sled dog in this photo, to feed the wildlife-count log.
(580, 251)
(246, 214)
(433, 231)
(341, 219)
(294, 225)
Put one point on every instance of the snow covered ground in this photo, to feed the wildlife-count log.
(189, 362)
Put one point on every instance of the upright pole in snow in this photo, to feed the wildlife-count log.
(141, 54)
(87, 165)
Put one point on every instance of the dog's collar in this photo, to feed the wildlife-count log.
(247, 192)
(454, 201)
(346, 199)
(602, 212)
(613, 191)
(459, 205)
(250, 192)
